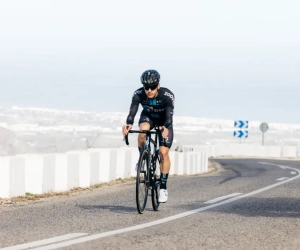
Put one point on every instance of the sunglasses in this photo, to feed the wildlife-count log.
(150, 87)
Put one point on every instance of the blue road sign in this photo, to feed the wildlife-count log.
(241, 124)
(240, 134)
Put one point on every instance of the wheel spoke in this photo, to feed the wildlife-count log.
(156, 188)
(141, 183)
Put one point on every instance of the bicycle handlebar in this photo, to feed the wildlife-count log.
(141, 132)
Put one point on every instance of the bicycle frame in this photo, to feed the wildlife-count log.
(150, 179)
(151, 156)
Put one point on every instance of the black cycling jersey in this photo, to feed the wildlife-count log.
(160, 108)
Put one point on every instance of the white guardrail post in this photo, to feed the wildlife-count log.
(5, 177)
(37, 173)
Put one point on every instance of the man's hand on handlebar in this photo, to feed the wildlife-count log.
(126, 128)
(164, 131)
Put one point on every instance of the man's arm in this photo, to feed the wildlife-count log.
(133, 108)
(169, 111)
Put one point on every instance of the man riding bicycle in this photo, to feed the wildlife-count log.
(158, 106)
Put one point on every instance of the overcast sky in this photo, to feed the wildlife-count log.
(222, 59)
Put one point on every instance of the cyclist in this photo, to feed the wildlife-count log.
(158, 106)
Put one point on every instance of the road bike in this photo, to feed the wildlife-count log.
(146, 179)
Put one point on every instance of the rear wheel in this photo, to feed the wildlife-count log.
(155, 190)
(142, 183)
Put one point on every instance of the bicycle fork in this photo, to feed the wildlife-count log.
(151, 180)
(153, 167)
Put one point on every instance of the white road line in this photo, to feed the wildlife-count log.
(168, 219)
(282, 178)
(44, 242)
(277, 165)
(222, 198)
(293, 172)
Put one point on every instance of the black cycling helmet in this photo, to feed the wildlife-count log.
(150, 77)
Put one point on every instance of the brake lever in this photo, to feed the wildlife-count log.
(126, 139)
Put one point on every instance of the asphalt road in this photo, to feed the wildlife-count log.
(245, 205)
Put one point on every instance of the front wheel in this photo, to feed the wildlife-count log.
(142, 182)
(155, 190)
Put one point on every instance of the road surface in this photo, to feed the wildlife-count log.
(246, 204)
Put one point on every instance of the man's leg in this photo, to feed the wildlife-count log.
(165, 166)
(142, 137)
(164, 148)
(145, 124)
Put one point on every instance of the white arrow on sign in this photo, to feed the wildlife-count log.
(241, 124)
(240, 134)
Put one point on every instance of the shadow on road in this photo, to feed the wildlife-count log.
(263, 207)
(111, 208)
(254, 207)
(237, 175)
(242, 168)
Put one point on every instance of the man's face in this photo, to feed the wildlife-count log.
(151, 91)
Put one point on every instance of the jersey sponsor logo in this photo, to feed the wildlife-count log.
(137, 92)
(158, 110)
(151, 109)
(170, 95)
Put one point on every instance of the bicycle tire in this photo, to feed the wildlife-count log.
(141, 202)
(155, 190)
